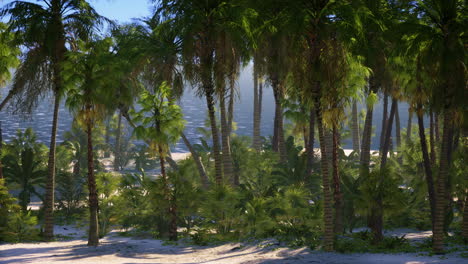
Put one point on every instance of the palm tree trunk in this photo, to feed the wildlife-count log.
(167, 195)
(93, 237)
(436, 128)
(232, 94)
(431, 137)
(397, 128)
(310, 142)
(256, 116)
(226, 148)
(440, 201)
(364, 159)
(427, 163)
(376, 218)
(409, 126)
(117, 154)
(215, 137)
(366, 142)
(338, 195)
(355, 127)
(384, 120)
(465, 220)
(50, 184)
(327, 202)
(107, 137)
(198, 162)
(10, 95)
(278, 136)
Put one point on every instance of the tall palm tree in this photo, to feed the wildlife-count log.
(319, 25)
(436, 32)
(200, 26)
(88, 75)
(43, 28)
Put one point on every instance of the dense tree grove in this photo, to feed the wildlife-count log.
(323, 60)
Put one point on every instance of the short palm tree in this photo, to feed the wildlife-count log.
(44, 28)
(160, 122)
(24, 165)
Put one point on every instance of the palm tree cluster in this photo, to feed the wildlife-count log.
(320, 57)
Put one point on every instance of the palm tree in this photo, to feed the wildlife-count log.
(24, 165)
(88, 73)
(200, 25)
(436, 32)
(320, 27)
(43, 28)
(161, 122)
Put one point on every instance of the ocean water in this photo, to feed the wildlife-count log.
(194, 109)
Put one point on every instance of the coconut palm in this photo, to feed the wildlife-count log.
(160, 122)
(321, 26)
(436, 33)
(44, 27)
(88, 74)
(200, 26)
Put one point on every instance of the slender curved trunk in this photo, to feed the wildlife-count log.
(329, 146)
(117, 154)
(310, 142)
(49, 204)
(355, 127)
(226, 148)
(436, 128)
(426, 162)
(230, 112)
(397, 129)
(431, 137)
(256, 115)
(364, 159)
(409, 126)
(376, 223)
(278, 135)
(260, 98)
(384, 120)
(215, 137)
(93, 237)
(10, 95)
(198, 163)
(338, 195)
(366, 142)
(448, 185)
(107, 137)
(440, 201)
(328, 199)
(172, 211)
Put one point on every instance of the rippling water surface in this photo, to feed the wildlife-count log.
(194, 109)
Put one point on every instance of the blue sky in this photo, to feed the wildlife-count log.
(122, 10)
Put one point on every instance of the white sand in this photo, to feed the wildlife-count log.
(114, 249)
